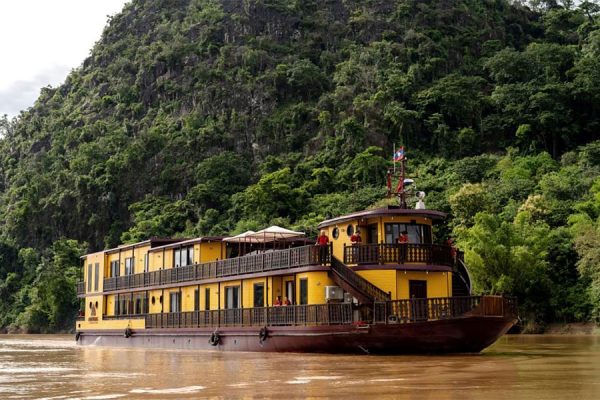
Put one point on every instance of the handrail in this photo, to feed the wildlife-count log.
(314, 314)
(427, 309)
(387, 312)
(358, 282)
(398, 253)
(256, 263)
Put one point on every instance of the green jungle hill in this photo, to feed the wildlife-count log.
(207, 117)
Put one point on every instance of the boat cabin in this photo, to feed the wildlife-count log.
(371, 242)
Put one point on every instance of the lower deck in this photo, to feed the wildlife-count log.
(414, 326)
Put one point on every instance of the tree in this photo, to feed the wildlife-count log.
(510, 258)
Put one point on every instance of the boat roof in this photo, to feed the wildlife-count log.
(385, 211)
(152, 242)
(185, 242)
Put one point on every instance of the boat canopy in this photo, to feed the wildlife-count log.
(245, 237)
(267, 235)
(274, 233)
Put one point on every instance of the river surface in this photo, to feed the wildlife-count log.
(516, 367)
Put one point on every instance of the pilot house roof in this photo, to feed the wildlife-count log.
(384, 212)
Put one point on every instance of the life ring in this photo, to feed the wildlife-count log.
(77, 336)
(214, 339)
(263, 334)
(127, 332)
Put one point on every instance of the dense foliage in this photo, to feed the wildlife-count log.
(195, 117)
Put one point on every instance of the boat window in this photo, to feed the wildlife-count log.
(96, 276)
(232, 297)
(350, 230)
(183, 256)
(207, 299)
(89, 278)
(146, 263)
(117, 304)
(416, 233)
(289, 291)
(114, 268)
(177, 258)
(335, 233)
(196, 299)
(304, 291)
(259, 295)
(174, 302)
(129, 267)
(138, 305)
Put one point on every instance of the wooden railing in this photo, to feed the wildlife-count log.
(315, 314)
(398, 253)
(388, 312)
(416, 310)
(256, 263)
(372, 292)
(80, 288)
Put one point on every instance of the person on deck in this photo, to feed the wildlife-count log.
(403, 238)
(287, 302)
(323, 242)
(403, 251)
(355, 238)
(277, 302)
(450, 243)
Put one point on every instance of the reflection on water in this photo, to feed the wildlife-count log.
(517, 367)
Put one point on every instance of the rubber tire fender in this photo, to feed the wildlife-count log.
(263, 334)
(214, 339)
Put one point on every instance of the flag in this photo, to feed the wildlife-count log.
(399, 155)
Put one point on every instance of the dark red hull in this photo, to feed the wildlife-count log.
(469, 334)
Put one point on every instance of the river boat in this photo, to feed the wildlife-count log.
(274, 291)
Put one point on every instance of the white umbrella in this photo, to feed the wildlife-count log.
(275, 232)
(245, 237)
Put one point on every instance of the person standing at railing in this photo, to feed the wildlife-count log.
(356, 240)
(277, 302)
(403, 249)
(323, 243)
(450, 243)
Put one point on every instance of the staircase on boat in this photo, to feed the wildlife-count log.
(461, 282)
(363, 290)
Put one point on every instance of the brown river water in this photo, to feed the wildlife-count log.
(517, 367)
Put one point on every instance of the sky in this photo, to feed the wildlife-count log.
(41, 41)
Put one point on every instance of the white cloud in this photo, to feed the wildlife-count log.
(41, 41)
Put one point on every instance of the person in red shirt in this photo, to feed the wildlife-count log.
(403, 250)
(322, 243)
(355, 238)
(403, 238)
(287, 302)
(277, 301)
(323, 239)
